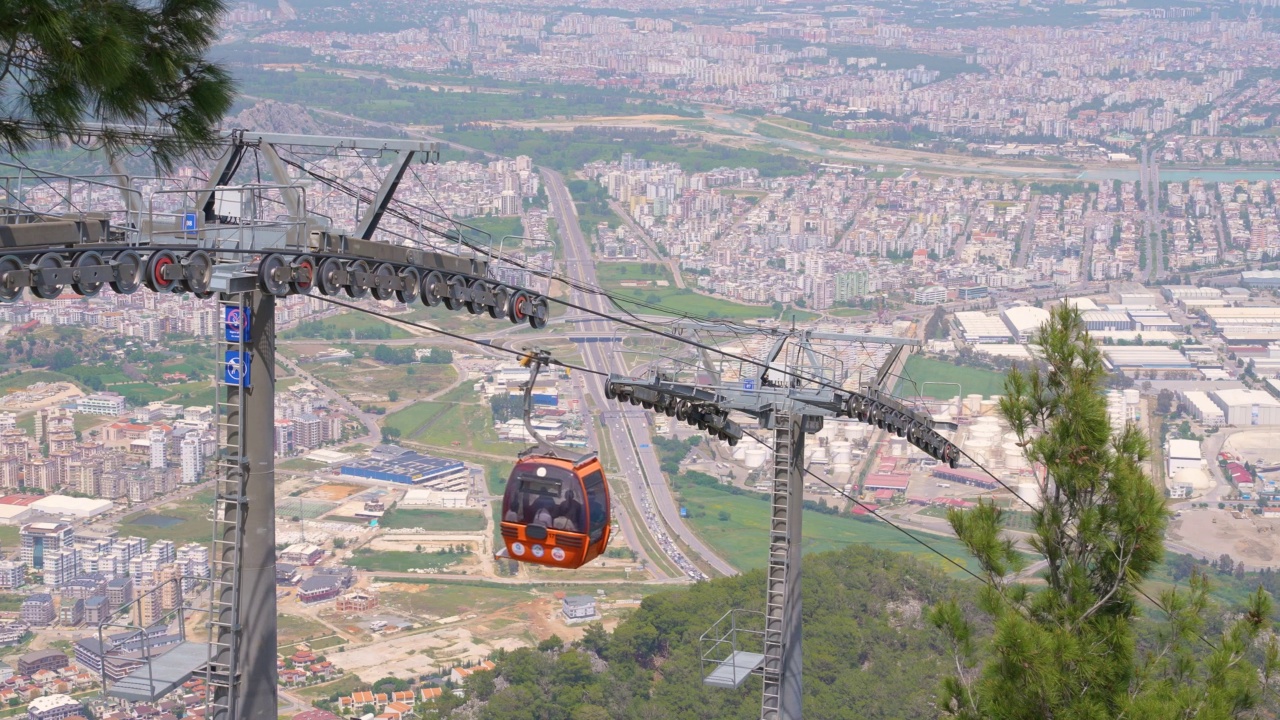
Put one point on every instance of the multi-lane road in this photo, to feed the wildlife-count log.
(628, 430)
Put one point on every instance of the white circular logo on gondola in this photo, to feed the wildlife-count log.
(557, 554)
(538, 551)
(542, 472)
(517, 548)
(235, 367)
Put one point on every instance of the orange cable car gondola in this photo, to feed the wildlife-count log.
(555, 510)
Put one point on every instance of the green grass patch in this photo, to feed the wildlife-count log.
(569, 151)
(611, 277)
(344, 685)
(498, 227)
(920, 370)
(293, 629)
(142, 393)
(377, 380)
(195, 525)
(468, 427)
(10, 536)
(196, 394)
(20, 380)
(433, 520)
(413, 419)
(346, 326)
(316, 645)
(743, 538)
(445, 599)
(11, 602)
(848, 312)
(301, 465)
(107, 374)
(401, 561)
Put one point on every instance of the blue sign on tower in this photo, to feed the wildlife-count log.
(188, 222)
(749, 385)
(236, 367)
(236, 322)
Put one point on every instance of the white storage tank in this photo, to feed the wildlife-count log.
(973, 403)
(841, 452)
(1014, 459)
(1030, 491)
(755, 456)
(1132, 396)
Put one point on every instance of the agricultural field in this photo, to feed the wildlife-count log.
(415, 419)
(920, 370)
(743, 538)
(675, 300)
(433, 520)
(402, 561)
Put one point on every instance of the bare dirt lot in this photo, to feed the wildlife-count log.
(334, 491)
(1212, 532)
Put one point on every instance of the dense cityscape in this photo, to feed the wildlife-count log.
(687, 180)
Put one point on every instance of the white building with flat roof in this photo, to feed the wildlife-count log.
(101, 403)
(1205, 411)
(1242, 407)
(1024, 321)
(66, 506)
(980, 328)
(1182, 454)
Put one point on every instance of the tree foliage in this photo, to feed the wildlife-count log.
(63, 62)
(1069, 648)
(868, 652)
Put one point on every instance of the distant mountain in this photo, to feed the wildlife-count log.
(868, 651)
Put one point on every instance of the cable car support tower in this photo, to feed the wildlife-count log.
(249, 243)
(790, 395)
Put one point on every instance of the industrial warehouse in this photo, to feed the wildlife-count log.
(406, 467)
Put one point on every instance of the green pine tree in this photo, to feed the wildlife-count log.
(1068, 648)
(64, 63)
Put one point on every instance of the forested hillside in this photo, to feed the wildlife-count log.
(868, 652)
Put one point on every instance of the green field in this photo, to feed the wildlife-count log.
(497, 227)
(401, 561)
(293, 629)
(195, 526)
(300, 465)
(847, 312)
(675, 300)
(22, 379)
(444, 599)
(9, 536)
(468, 427)
(367, 376)
(347, 326)
(433, 520)
(743, 539)
(920, 370)
(413, 419)
(344, 685)
(142, 392)
(316, 645)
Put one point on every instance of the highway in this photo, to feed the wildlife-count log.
(628, 430)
